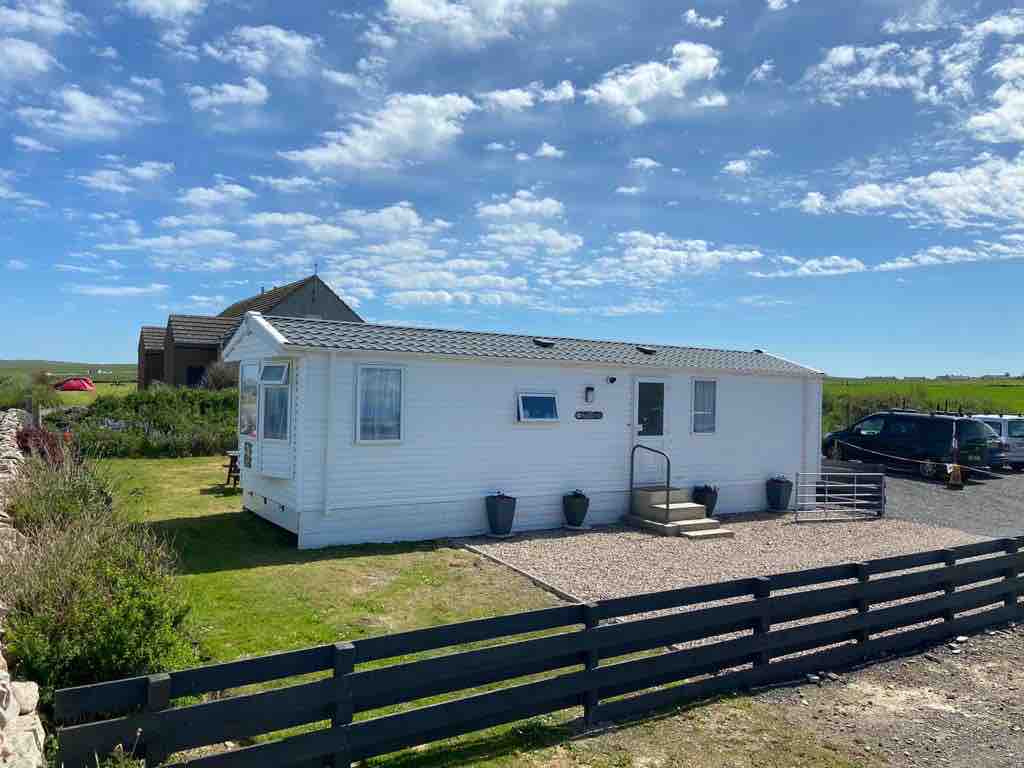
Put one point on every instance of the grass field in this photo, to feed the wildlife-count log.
(253, 593)
(1007, 394)
(98, 371)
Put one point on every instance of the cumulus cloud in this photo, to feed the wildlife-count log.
(118, 291)
(549, 151)
(827, 266)
(30, 144)
(267, 49)
(694, 19)
(23, 60)
(524, 238)
(174, 11)
(225, 192)
(520, 99)
(408, 127)
(289, 184)
(78, 115)
(470, 23)
(739, 167)
(629, 191)
(45, 17)
(928, 16)
(644, 163)
(251, 93)
(398, 220)
(854, 72)
(685, 80)
(523, 204)
(122, 179)
(779, 5)
(1004, 122)
(762, 73)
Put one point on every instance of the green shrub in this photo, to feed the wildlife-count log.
(14, 390)
(120, 759)
(93, 599)
(57, 493)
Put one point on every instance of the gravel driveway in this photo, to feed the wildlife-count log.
(991, 507)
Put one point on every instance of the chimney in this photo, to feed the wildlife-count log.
(261, 289)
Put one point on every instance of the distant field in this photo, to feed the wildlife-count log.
(98, 371)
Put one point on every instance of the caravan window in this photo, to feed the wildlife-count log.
(379, 412)
(537, 406)
(248, 400)
(705, 394)
(274, 380)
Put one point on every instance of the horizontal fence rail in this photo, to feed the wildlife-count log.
(839, 495)
(746, 632)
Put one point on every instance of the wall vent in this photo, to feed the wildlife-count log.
(646, 350)
(546, 343)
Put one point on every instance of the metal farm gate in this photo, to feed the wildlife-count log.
(839, 495)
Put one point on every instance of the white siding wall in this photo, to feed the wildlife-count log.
(462, 442)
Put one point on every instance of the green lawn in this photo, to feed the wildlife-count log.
(253, 593)
(102, 388)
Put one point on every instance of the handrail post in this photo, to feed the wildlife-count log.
(344, 663)
(158, 697)
(762, 624)
(668, 471)
(592, 658)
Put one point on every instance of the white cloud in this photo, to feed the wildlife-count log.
(814, 202)
(277, 219)
(267, 49)
(109, 52)
(549, 151)
(959, 61)
(78, 115)
(564, 91)
(23, 59)
(1006, 121)
(327, 234)
(119, 291)
(122, 178)
(414, 298)
(393, 220)
(694, 19)
(941, 255)
(523, 204)
(850, 72)
(12, 195)
(928, 16)
(408, 127)
(822, 267)
(635, 90)
(470, 23)
(223, 193)
(154, 84)
(251, 93)
(288, 184)
(17, 265)
(523, 238)
(497, 146)
(29, 144)
(988, 192)
(47, 17)
(762, 73)
(172, 11)
(513, 99)
(659, 255)
(201, 220)
(779, 5)
(763, 302)
(522, 157)
(629, 191)
(344, 79)
(644, 163)
(738, 167)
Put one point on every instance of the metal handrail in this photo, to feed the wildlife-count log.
(668, 472)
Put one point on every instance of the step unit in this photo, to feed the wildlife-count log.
(644, 496)
(678, 517)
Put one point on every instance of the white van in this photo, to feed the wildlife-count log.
(1011, 430)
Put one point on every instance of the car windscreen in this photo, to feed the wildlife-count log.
(996, 425)
(1015, 428)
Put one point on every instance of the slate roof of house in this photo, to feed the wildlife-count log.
(332, 334)
(266, 301)
(152, 338)
(201, 331)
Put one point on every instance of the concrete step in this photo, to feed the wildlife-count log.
(676, 528)
(644, 496)
(681, 510)
(716, 533)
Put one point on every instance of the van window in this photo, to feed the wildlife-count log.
(870, 427)
(1015, 428)
(996, 425)
(902, 427)
(971, 431)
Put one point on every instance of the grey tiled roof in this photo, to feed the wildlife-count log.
(152, 338)
(331, 334)
(201, 331)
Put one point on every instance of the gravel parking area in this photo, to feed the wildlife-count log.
(992, 507)
(616, 561)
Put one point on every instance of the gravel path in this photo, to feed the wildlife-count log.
(617, 561)
(992, 507)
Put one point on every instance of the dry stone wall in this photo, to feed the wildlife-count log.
(21, 731)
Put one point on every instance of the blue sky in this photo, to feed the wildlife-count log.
(840, 183)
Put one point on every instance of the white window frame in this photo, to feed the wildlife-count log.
(520, 394)
(241, 381)
(360, 367)
(693, 406)
(283, 382)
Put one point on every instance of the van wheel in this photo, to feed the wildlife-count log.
(929, 470)
(1017, 467)
(836, 452)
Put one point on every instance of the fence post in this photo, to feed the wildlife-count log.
(762, 624)
(591, 659)
(344, 663)
(949, 558)
(1012, 546)
(863, 605)
(158, 697)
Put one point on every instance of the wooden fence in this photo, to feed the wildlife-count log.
(741, 633)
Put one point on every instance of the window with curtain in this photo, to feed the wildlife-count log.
(380, 404)
(704, 406)
(275, 413)
(248, 400)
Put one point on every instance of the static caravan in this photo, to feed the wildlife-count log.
(354, 432)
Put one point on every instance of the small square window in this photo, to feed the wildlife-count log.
(537, 407)
(275, 373)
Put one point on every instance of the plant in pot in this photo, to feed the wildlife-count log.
(501, 513)
(706, 496)
(780, 489)
(575, 506)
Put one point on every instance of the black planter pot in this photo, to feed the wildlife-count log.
(779, 493)
(575, 507)
(707, 497)
(501, 513)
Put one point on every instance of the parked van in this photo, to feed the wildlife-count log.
(1011, 430)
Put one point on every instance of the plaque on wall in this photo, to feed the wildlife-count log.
(589, 415)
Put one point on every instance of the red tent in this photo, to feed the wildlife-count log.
(77, 384)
